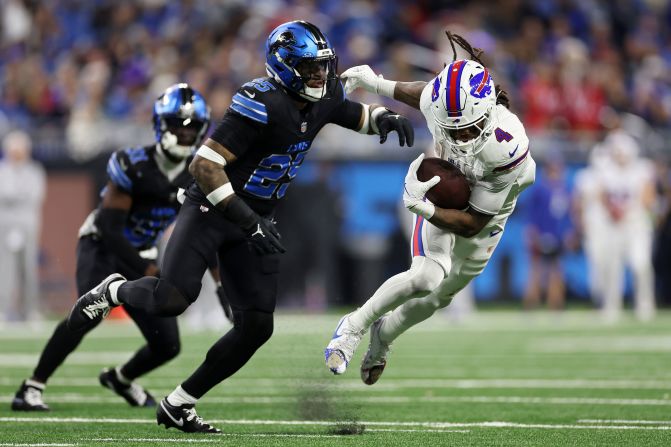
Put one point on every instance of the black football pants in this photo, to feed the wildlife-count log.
(95, 263)
(249, 280)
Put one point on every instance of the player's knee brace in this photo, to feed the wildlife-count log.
(170, 302)
(256, 327)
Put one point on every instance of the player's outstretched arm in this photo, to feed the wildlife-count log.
(207, 169)
(376, 119)
(362, 76)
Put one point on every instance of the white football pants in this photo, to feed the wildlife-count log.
(442, 265)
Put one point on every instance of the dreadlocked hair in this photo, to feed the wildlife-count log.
(475, 53)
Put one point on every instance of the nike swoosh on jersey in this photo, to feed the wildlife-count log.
(513, 152)
(179, 421)
(251, 95)
(494, 233)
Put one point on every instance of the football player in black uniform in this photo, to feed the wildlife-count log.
(138, 203)
(241, 172)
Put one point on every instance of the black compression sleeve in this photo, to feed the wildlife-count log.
(347, 114)
(111, 222)
(238, 212)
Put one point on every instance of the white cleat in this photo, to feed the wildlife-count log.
(373, 363)
(340, 349)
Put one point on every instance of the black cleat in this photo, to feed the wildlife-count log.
(29, 398)
(93, 306)
(182, 418)
(134, 394)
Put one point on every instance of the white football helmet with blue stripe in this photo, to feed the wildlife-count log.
(462, 100)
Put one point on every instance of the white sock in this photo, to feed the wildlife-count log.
(180, 397)
(113, 290)
(123, 379)
(35, 384)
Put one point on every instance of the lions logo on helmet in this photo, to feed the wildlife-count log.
(181, 119)
(297, 53)
(463, 106)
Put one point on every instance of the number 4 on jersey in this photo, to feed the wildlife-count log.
(502, 135)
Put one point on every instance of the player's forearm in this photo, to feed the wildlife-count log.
(210, 177)
(458, 222)
(409, 92)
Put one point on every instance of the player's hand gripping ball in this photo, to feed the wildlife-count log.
(452, 191)
(434, 181)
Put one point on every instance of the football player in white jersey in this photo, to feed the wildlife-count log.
(472, 127)
(627, 190)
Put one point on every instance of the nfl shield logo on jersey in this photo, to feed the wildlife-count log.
(304, 126)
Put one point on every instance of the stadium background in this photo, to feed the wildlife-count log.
(80, 77)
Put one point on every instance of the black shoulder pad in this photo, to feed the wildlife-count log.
(252, 99)
(122, 166)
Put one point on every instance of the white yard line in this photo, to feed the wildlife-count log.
(42, 444)
(391, 384)
(622, 421)
(276, 400)
(428, 425)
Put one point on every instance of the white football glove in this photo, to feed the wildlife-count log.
(362, 76)
(414, 191)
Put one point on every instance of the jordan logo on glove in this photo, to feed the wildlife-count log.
(258, 231)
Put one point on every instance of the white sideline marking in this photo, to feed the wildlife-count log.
(213, 437)
(622, 421)
(392, 384)
(410, 430)
(268, 400)
(433, 425)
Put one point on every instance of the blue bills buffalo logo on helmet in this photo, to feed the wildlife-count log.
(436, 89)
(481, 84)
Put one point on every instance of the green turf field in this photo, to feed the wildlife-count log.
(500, 378)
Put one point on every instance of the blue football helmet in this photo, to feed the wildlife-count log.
(298, 52)
(181, 119)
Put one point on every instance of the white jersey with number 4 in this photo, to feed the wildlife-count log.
(497, 175)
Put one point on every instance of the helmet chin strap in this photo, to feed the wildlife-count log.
(176, 152)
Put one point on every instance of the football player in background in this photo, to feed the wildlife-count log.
(472, 128)
(241, 173)
(138, 203)
(627, 191)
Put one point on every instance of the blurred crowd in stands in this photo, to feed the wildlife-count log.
(80, 77)
(566, 63)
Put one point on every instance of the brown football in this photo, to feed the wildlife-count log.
(453, 190)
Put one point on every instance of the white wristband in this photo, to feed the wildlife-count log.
(211, 155)
(220, 193)
(386, 88)
(366, 119)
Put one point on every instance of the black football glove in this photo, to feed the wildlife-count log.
(389, 121)
(264, 237)
(225, 305)
(260, 232)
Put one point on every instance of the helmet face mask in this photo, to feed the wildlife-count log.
(463, 99)
(300, 58)
(181, 119)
